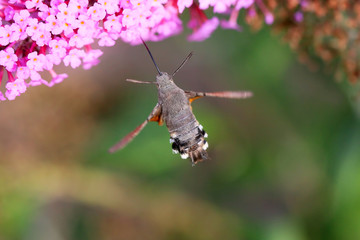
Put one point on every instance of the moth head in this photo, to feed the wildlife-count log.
(164, 80)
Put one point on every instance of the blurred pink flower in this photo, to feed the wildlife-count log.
(201, 25)
(35, 35)
(2, 98)
(204, 30)
(232, 23)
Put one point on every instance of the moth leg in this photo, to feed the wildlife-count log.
(225, 94)
(155, 115)
(141, 82)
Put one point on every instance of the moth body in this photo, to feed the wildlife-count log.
(187, 136)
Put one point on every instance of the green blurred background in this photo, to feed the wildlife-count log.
(284, 164)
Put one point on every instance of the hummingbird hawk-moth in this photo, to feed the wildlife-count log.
(187, 136)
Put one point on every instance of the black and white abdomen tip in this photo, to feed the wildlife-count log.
(193, 147)
(202, 131)
(175, 145)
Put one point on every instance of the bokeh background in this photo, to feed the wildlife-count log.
(284, 164)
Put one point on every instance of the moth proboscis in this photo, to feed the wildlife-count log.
(187, 136)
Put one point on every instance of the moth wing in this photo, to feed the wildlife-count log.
(155, 115)
(224, 94)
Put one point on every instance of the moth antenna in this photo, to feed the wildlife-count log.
(183, 63)
(152, 58)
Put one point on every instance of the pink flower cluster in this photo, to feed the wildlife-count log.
(36, 35)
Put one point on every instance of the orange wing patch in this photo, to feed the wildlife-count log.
(157, 118)
(191, 99)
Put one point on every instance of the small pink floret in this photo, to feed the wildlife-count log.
(230, 25)
(205, 30)
(15, 88)
(74, 58)
(2, 98)
(269, 18)
(23, 72)
(182, 4)
(243, 4)
(8, 59)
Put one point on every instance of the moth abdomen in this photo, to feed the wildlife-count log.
(191, 144)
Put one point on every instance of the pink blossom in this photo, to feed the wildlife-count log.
(204, 4)
(17, 32)
(74, 58)
(205, 30)
(86, 27)
(8, 59)
(129, 18)
(2, 98)
(54, 58)
(21, 17)
(68, 27)
(97, 12)
(111, 6)
(58, 47)
(298, 16)
(33, 4)
(48, 64)
(15, 88)
(125, 4)
(131, 35)
(9, 13)
(5, 35)
(35, 78)
(113, 24)
(91, 58)
(23, 72)
(33, 26)
(143, 15)
(66, 14)
(79, 41)
(182, 4)
(269, 18)
(56, 78)
(37, 81)
(220, 7)
(201, 25)
(164, 29)
(243, 4)
(232, 23)
(105, 40)
(36, 62)
(156, 3)
(54, 25)
(78, 6)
